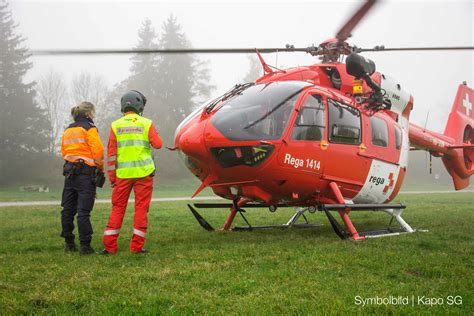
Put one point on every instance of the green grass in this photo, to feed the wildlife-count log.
(189, 270)
(161, 189)
(169, 188)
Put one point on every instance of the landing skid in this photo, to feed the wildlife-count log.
(299, 212)
(292, 222)
(395, 210)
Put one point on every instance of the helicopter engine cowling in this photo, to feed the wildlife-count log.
(398, 97)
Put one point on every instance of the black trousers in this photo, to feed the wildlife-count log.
(78, 198)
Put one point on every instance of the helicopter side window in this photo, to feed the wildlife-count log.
(379, 132)
(344, 123)
(310, 123)
(398, 138)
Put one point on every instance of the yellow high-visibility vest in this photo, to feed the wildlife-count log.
(134, 159)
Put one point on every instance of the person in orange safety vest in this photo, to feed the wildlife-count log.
(130, 166)
(83, 153)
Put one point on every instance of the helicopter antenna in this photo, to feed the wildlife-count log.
(427, 116)
(429, 152)
(276, 59)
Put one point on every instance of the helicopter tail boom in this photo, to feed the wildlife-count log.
(456, 145)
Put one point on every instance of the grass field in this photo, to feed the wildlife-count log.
(267, 272)
(169, 188)
(161, 189)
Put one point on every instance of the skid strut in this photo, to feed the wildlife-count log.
(236, 208)
(299, 212)
(395, 210)
(345, 212)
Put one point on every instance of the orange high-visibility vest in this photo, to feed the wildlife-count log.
(81, 141)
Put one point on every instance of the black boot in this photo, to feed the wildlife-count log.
(140, 252)
(86, 248)
(70, 245)
(106, 253)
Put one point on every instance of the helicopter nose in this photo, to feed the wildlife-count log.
(190, 141)
(190, 146)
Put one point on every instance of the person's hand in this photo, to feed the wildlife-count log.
(112, 179)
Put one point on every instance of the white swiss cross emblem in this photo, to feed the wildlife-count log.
(467, 104)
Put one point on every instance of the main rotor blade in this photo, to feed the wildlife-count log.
(39, 52)
(345, 31)
(400, 49)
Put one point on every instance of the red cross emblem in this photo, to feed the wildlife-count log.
(390, 184)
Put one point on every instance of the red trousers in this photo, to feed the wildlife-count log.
(142, 188)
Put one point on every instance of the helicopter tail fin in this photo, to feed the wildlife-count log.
(460, 127)
(456, 145)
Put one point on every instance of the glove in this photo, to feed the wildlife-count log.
(99, 178)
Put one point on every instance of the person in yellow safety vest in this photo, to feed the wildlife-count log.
(83, 153)
(130, 165)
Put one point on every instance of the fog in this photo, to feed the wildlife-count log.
(431, 77)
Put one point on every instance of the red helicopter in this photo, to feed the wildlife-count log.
(333, 136)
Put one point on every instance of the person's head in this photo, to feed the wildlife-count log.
(83, 109)
(133, 101)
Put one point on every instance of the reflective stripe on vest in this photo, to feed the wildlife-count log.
(134, 159)
(133, 142)
(133, 164)
(74, 141)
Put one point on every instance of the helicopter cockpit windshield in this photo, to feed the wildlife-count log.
(261, 112)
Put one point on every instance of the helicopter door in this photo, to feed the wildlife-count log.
(344, 164)
(382, 145)
(302, 158)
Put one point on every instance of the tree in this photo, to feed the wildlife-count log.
(144, 76)
(92, 88)
(22, 122)
(255, 69)
(173, 84)
(87, 87)
(143, 73)
(183, 81)
(52, 96)
(111, 110)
